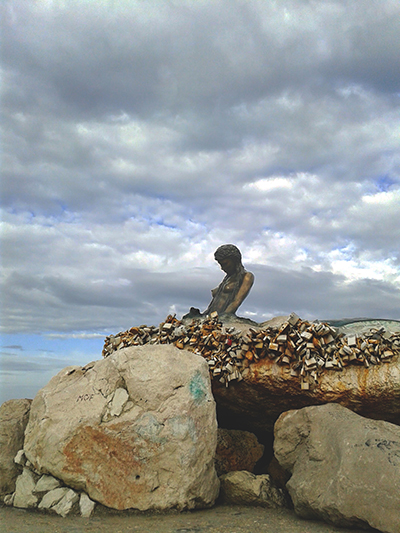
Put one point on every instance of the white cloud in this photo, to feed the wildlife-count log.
(269, 184)
(139, 137)
(387, 200)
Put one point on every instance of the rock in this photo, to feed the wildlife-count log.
(9, 499)
(119, 401)
(14, 416)
(46, 484)
(236, 450)
(20, 458)
(345, 468)
(66, 503)
(150, 447)
(86, 505)
(24, 490)
(279, 475)
(244, 488)
(52, 497)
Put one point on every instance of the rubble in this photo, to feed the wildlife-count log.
(308, 349)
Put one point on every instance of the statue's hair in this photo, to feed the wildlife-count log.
(228, 251)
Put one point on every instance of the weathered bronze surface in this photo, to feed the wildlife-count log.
(236, 285)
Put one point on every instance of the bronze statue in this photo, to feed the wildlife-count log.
(233, 289)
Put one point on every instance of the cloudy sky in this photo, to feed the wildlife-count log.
(138, 136)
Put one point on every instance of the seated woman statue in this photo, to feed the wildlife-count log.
(233, 289)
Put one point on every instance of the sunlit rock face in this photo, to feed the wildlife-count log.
(345, 468)
(357, 367)
(268, 389)
(136, 430)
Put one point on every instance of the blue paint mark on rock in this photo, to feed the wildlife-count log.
(198, 388)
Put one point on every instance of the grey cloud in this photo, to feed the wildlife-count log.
(319, 295)
(135, 137)
(10, 364)
(143, 60)
(13, 347)
(277, 291)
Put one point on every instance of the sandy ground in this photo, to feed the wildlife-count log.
(220, 519)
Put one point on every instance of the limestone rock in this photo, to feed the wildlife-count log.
(14, 416)
(46, 484)
(9, 499)
(136, 430)
(244, 488)
(66, 503)
(236, 450)
(86, 505)
(345, 468)
(20, 458)
(119, 401)
(24, 490)
(52, 497)
(279, 475)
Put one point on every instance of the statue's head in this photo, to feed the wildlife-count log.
(229, 257)
(228, 251)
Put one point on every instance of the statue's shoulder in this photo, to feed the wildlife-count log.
(249, 277)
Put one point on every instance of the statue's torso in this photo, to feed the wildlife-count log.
(225, 293)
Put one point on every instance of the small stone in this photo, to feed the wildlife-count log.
(65, 505)
(244, 488)
(86, 505)
(46, 483)
(24, 488)
(120, 398)
(52, 497)
(9, 499)
(20, 458)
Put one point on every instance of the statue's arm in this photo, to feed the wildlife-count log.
(243, 291)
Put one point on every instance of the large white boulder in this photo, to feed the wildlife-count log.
(345, 468)
(136, 430)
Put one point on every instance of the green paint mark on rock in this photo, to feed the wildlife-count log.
(198, 388)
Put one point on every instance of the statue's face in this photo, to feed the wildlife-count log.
(228, 265)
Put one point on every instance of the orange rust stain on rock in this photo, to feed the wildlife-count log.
(362, 377)
(341, 387)
(107, 465)
(270, 374)
(261, 368)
